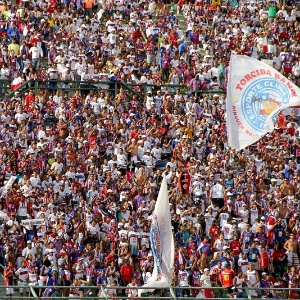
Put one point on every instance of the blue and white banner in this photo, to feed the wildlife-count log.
(162, 242)
(256, 93)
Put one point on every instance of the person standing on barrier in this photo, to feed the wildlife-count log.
(206, 283)
(51, 281)
(183, 281)
(132, 290)
(32, 278)
(226, 277)
(22, 275)
(126, 272)
(238, 282)
(9, 274)
(252, 279)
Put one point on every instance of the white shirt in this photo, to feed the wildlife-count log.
(35, 52)
(183, 277)
(228, 231)
(79, 67)
(157, 153)
(148, 160)
(121, 159)
(22, 273)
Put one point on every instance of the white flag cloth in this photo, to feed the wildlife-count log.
(16, 83)
(10, 182)
(256, 93)
(162, 242)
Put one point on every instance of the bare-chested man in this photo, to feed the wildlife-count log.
(141, 178)
(291, 246)
(133, 150)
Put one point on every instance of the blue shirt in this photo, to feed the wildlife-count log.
(253, 255)
(13, 33)
(101, 280)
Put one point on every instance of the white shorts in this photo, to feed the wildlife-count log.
(32, 284)
(134, 159)
(10, 291)
(22, 286)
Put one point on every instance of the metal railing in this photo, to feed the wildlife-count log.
(168, 293)
(5, 86)
(140, 90)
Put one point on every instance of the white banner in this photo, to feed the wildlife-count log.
(269, 62)
(28, 223)
(162, 242)
(10, 182)
(255, 95)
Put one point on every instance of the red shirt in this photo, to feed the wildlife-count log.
(277, 255)
(235, 246)
(134, 134)
(264, 260)
(126, 272)
(29, 100)
(227, 276)
(214, 232)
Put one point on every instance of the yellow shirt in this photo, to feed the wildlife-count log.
(51, 22)
(14, 47)
(5, 15)
(189, 133)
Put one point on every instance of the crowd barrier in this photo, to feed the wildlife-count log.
(168, 293)
(114, 87)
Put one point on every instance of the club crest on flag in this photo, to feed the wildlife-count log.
(256, 93)
(261, 98)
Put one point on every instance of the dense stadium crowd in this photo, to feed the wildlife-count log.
(81, 162)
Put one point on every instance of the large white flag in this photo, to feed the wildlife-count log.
(256, 93)
(162, 242)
